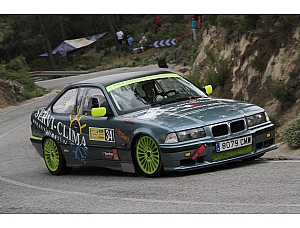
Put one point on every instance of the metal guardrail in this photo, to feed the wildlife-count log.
(38, 75)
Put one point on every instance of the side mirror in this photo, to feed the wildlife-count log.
(98, 112)
(208, 89)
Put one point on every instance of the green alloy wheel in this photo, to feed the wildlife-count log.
(148, 156)
(54, 159)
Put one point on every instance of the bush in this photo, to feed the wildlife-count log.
(18, 64)
(248, 22)
(17, 71)
(217, 74)
(227, 21)
(279, 91)
(291, 133)
(257, 63)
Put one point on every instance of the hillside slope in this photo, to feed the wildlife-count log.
(244, 81)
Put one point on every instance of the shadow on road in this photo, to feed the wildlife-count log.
(98, 171)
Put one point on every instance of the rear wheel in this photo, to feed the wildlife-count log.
(54, 158)
(148, 157)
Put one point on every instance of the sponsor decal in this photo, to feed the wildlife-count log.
(80, 152)
(101, 134)
(151, 113)
(122, 135)
(77, 118)
(115, 153)
(63, 133)
(107, 154)
(129, 122)
(110, 154)
(131, 81)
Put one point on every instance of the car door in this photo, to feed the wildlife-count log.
(67, 126)
(98, 132)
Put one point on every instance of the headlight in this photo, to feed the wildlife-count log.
(191, 134)
(257, 119)
(185, 135)
(171, 138)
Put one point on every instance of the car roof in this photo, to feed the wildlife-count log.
(114, 78)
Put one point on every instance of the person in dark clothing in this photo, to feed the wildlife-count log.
(150, 91)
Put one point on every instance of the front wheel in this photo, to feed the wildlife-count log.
(148, 156)
(54, 158)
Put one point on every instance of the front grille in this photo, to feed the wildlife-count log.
(220, 130)
(228, 128)
(237, 126)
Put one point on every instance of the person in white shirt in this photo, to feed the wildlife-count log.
(119, 35)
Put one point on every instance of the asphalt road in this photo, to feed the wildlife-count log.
(258, 187)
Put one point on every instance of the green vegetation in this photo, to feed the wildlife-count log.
(216, 75)
(257, 63)
(231, 153)
(28, 43)
(279, 91)
(291, 133)
(24, 87)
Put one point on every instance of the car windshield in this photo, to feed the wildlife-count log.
(142, 93)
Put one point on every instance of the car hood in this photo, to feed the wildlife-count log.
(200, 112)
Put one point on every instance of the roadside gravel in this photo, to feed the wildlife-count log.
(282, 153)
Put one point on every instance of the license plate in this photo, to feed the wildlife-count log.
(234, 143)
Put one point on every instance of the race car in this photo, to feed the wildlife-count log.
(152, 122)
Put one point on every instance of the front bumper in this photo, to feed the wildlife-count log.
(179, 157)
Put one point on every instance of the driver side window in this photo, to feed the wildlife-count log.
(93, 98)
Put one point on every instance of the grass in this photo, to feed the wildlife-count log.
(231, 153)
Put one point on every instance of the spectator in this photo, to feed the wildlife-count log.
(194, 28)
(119, 35)
(199, 21)
(130, 43)
(157, 23)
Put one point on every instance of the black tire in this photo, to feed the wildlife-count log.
(54, 159)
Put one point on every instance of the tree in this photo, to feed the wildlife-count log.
(113, 31)
(48, 45)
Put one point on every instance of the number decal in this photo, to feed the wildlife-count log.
(102, 134)
(109, 135)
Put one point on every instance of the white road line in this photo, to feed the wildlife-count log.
(6, 133)
(290, 160)
(144, 200)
